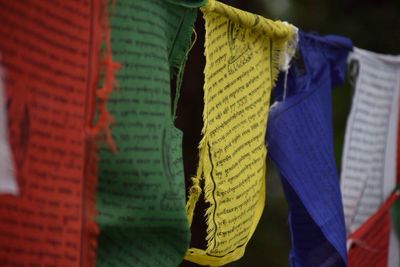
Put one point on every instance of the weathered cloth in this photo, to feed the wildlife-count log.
(300, 143)
(244, 53)
(369, 155)
(141, 191)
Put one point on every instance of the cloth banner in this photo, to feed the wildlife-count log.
(141, 191)
(369, 156)
(300, 143)
(368, 245)
(50, 61)
(244, 53)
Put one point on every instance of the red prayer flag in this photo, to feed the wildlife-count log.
(370, 242)
(49, 54)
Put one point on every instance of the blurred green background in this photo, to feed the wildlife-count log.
(371, 24)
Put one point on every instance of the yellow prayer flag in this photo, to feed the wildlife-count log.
(244, 53)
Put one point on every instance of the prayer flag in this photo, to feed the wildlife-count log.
(300, 143)
(369, 155)
(50, 60)
(369, 244)
(244, 53)
(141, 191)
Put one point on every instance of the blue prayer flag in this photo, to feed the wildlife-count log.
(300, 143)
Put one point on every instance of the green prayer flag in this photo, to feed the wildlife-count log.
(141, 189)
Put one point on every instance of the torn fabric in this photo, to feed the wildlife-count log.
(244, 53)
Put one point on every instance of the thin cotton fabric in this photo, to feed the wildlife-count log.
(368, 175)
(244, 53)
(369, 244)
(300, 143)
(50, 61)
(141, 192)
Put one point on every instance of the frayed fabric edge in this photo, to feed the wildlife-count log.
(99, 61)
(195, 189)
(283, 50)
(110, 67)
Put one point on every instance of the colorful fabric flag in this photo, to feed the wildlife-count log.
(300, 143)
(369, 155)
(51, 65)
(244, 53)
(369, 244)
(141, 190)
(8, 183)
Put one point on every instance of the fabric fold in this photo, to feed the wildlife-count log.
(300, 143)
